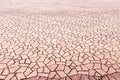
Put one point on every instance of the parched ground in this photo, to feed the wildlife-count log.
(59, 40)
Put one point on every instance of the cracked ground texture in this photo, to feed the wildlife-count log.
(60, 40)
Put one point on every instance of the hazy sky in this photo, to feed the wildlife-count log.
(56, 4)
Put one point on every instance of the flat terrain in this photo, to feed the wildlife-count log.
(59, 40)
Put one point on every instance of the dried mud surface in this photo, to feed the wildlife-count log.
(59, 40)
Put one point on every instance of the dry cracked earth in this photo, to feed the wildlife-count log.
(60, 40)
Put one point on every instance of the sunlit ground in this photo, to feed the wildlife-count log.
(59, 40)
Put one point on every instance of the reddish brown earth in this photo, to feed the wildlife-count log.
(59, 40)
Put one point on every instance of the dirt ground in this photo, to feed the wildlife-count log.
(59, 39)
